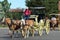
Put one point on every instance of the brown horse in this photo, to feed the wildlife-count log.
(13, 25)
(27, 27)
(16, 24)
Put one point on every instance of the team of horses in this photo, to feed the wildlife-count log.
(30, 26)
(15, 25)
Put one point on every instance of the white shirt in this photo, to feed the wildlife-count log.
(53, 18)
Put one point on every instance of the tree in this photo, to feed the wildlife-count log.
(1, 11)
(34, 3)
(51, 6)
(6, 6)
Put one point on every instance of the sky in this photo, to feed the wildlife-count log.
(17, 3)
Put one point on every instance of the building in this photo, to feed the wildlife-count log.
(16, 10)
(15, 13)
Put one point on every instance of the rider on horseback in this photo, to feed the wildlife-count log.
(26, 14)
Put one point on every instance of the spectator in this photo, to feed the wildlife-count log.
(53, 19)
(53, 22)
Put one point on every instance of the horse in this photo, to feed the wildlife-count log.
(27, 27)
(41, 27)
(14, 25)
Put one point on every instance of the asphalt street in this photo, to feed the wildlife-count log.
(53, 35)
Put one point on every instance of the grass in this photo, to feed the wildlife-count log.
(1, 25)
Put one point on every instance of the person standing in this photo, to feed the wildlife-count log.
(53, 22)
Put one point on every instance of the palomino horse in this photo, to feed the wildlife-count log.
(13, 24)
(39, 27)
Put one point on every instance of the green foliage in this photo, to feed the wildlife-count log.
(51, 5)
(1, 11)
(33, 3)
(6, 6)
(14, 15)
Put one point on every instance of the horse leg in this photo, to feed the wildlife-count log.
(22, 32)
(40, 31)
(32, 32)
(17, 31)
(47, 30)
(27, 33)
(10, 31)
(53, 27)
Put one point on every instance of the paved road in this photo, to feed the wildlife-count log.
(53, 35)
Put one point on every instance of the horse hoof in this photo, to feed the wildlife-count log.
(11, 36)
(40, 34)
(16, 31)
(25, 37)
(33, 36)
(47, 33)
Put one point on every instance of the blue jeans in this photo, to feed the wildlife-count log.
(26, 17)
